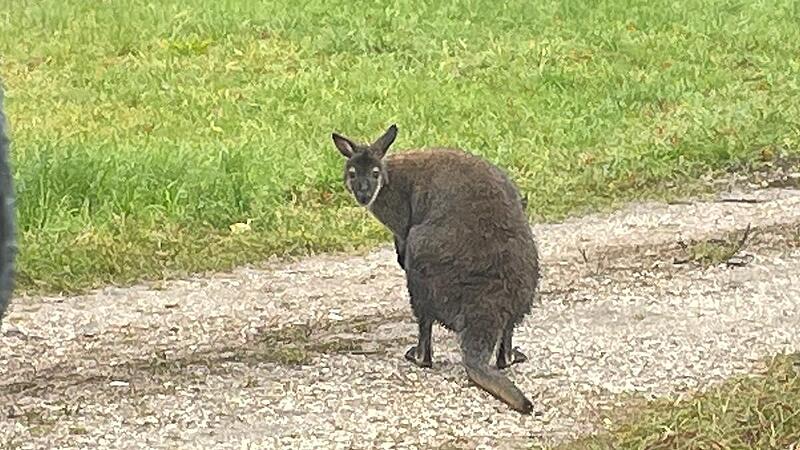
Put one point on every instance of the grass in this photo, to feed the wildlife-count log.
(752, 412)
(732, 248)
(144, 130)
(715, 251)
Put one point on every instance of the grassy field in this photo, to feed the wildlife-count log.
(142, 130)
(753, 412)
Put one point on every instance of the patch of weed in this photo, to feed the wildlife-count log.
(758, 411)
(711, 253)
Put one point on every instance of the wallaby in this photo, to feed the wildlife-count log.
(464, 241)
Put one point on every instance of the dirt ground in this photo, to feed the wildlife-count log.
(309, 353)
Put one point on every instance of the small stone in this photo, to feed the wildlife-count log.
(90, 330)
(16, 331)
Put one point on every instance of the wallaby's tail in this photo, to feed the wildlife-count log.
(496, 383)
(477, 344)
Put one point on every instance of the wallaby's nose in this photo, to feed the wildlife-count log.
(362, 197)
(362, 192)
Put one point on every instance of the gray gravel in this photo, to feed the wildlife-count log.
(190, 364)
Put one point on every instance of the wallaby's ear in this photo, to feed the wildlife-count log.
(346, 146)
(381, 145)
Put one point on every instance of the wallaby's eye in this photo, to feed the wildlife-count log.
(376, 172)
(351, 172)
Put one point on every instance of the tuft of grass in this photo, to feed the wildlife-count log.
(711, 253)
(78, 430)
(143, 130)
(286, 346)
(757, 411)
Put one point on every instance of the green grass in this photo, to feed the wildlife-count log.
(753, 412)
(143, 130)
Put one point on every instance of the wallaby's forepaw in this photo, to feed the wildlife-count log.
(420, 360)
(516, 357)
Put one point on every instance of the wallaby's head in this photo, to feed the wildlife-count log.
(364, 171)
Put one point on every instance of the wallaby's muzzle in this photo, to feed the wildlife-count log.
(363, 190)
(363, 197)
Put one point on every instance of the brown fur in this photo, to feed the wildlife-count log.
(468, 251)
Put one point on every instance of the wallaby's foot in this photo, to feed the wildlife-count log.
(516, 357)
(507, 354)
(421, 360)
(420, 354)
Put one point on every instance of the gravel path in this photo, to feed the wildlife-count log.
(308, 354)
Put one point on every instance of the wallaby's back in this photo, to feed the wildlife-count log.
(478, 244)
(471, 259)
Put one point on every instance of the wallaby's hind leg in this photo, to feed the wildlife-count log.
(421, 354)
(477, 346)
(400, 248)
(419, 295)
(507, 355)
